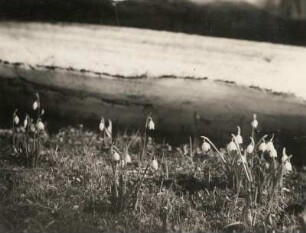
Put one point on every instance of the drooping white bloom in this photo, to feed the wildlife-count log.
(151, 125)
(254, 123)
(127, 158)
(205, 146)
(35, 105)
(231, 146)
(250, 147)
(40, 126)
(273, 153)
(286, 160)
(32, 128)
(154, 164)
(270, 146)
(169, 148)
(116, 156)
(239, 139)
(288, 166)
(16, 119)
(242, 159)
(262, 147)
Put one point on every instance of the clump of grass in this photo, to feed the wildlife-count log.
(28, 138)
(254, 173)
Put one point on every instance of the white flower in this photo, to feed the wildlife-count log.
(127, 158)
(205, 146)
(250, 148)
(169, 148)
(262, 147)
(286, 160)
(35, 105)
(238, 136)
(288, 166)
(32, 128)
(231, 146)
(270, 146)
(254, 123)
(40, 126)
(242, 159)
(42, 111)
(116, 156)
(16, 120)
(151, 125)
(154, 164)
(273, 153)
(102, 124)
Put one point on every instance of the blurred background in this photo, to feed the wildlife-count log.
(277, 21)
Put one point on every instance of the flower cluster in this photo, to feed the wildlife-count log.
(29, 135)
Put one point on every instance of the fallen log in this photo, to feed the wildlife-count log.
(182, 102)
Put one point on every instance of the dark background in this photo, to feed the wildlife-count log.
(232, 19)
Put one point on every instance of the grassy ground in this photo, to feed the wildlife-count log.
(79, 187)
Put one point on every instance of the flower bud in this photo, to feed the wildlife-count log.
(262, 147)
(250, 148)
(16, 120)
(127, 158)
(254, 123)
(154, 164)
(116, 156)
(238, 136)
(32, 128)
(231, 146)
(151, 125)
(40, 126)
(169, 148)
(205, 146)
(35, 105)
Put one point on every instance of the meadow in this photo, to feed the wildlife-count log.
(79, 180)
